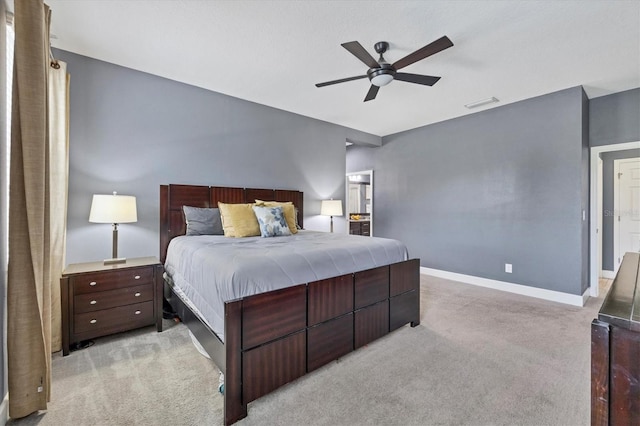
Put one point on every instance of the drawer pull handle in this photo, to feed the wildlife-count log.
(93, 321)
(93, 302)
(137, 277)
(138, 312)
(137, 295)
(92, 283)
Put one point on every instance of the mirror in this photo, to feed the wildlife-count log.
(360, 202)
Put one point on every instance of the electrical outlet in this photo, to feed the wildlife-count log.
(508, 268)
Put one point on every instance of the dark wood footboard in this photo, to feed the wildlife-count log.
(274, 338)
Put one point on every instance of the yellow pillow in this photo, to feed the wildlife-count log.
(288, 209)
(239, 220)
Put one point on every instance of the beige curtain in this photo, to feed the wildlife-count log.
(37, 213)
(58, 188)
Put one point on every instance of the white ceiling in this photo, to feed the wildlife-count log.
(273, 52)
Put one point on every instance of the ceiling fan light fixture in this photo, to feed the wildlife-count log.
(381, 79)
(381, 76)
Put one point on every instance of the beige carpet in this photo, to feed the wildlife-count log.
(480, 357)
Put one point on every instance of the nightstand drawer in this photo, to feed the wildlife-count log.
(112, 298)
(130, 316)
(109, 280)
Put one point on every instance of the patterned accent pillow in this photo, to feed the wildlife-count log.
(202, 221)
(287, 208)
(272, 221)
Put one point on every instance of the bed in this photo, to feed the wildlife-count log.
(292, 324)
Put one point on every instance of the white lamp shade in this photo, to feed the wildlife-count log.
(113, 209)
(331, 208)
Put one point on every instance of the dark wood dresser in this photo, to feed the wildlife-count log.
(99, 299)
(360, 227)
(615, 350)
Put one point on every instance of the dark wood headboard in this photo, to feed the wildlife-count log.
(173, 197)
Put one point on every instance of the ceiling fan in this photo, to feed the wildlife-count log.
(381, 72)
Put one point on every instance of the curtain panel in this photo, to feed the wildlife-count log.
(58, 189)
(37, 210)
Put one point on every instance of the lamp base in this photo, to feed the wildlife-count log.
(115, 261)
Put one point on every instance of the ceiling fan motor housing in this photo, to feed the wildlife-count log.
(381, 47)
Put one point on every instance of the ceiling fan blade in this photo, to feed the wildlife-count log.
(342, 80)
(427, 80)
(371, 94)
(359, 52)
(430, 49)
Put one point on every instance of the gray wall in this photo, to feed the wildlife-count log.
(131, 131)
(615, 118)
(608, 179)
(505, 185)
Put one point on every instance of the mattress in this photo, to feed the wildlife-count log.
(210, 270)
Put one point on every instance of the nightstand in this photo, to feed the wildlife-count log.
(99, 299)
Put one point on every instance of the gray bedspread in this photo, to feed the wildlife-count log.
(210, 270)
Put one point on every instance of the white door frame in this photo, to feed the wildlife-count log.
(594, 250)
(616, 209)
(600, 184)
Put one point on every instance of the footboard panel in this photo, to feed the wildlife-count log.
(268, 316)
(371, 323)
(329, 341)
(404, 290)
(270, 366)
(403, 309)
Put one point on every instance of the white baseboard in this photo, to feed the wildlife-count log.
(540, 293)
(4, 410)
(608, 274)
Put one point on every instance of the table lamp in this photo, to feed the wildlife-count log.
(331, 208)
(113, 209)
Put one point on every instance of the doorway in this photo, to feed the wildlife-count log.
(595, 249)
(360, 202)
